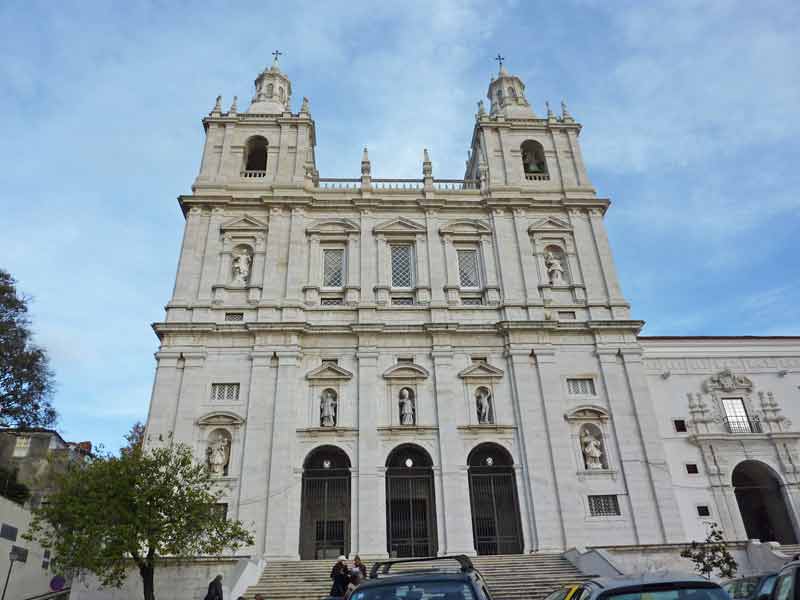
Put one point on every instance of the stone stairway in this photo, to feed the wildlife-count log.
(509, 577)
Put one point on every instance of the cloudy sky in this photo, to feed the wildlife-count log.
(690, 114)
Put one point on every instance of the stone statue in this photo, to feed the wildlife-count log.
(241, 268)
(406, 408)
(555, 270)
(327, 409)
(481, 109)
(304, 105)
(483, 402)
(592, 452)
(217, 455)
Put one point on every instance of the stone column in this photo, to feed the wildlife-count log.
(311, 289)
(166, 391)
(276, 241)
(367, 247)
(590, 264)
(369, 513)
(530, 275)
(353, 285)
(191, 260)
(382, 271)
(453, 285)
(423, 281)
(212, 253)
(227, 134)
(435, 262)
(490, 263)
(193, 388)
(281, 514)
(604, 254)
(455, 510)
(508, 257)
(297, 257)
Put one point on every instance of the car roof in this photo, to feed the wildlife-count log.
(653, 578)
(413, 576)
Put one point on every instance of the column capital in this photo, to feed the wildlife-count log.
(261, 358)
(544, 355)
(194, 359)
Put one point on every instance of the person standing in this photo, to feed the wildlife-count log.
(215, 589)
(341, 578)
(360, 566)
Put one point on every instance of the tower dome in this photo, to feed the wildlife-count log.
(507, 96)
(273, 91)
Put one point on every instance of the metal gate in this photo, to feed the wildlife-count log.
(325, 508)
(410, 512)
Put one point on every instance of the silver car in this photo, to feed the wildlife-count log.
(649, 586)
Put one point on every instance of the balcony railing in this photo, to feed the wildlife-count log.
(743, 424)
(253, 174)
(537, 176)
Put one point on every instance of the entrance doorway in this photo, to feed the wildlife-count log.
(325, 504)
(762, 504)
(496, 525)
(410, 503)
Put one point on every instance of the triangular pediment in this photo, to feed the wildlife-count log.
(220, 418)
(399, 226)
(465, 227)
(245, 223)
(550, 224)
(587, 412)
(406, 371)
(329, 373)
(480, 371)
(333, 227)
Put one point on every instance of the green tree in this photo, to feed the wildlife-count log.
(712, 555)
(139, 507)
(26, 381)
(134, 438)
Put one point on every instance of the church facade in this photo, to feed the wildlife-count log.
(417, 367)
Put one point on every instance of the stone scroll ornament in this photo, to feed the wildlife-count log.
(241, 268)
(407, 413)
(327, 409)
(483, 404)
(592, 450)
(217, 454)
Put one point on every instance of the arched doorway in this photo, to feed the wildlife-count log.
(762, 503)
(496, 525)
(410, 503)
(325, 504)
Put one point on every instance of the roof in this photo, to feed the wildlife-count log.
(652, 578)
(411, 576)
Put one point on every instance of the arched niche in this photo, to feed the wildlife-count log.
(592, 456)
(533, 159)
(763, 504)
(593, 447)
(255, 154)
(556, 265)
(218, 451)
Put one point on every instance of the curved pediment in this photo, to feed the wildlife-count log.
(549, 224)
(329, 372)
(220, 417)
(465, 227)
(399, 226)
(481, 371)
(587, 412)
(406, 371)
(333, 227)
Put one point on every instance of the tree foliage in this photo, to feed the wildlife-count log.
(712, 555)
(26, 381)
(134, 438)
(140, 507)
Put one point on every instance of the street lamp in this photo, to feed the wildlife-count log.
(17, 554)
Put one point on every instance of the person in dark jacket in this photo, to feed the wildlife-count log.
(215, 589)
(360, 566)
(341, 578)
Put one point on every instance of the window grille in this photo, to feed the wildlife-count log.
(403, 301)
(332, 268)
(581, 387)
(736, 418)
(234, 316)
(468, 268)
(703, 511)
(332, 302)
(22, 446)
(691, 469)
(680, 425)
(224, 392)
(404, 360)
(471, 301)
(604, 506)
(402, 267)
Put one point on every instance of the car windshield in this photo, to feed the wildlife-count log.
(684, 592)
(419, 590)
(742, 588)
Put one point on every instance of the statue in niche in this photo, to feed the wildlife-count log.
(327, 409)
(217, 455)
(555, 270)
(592, 450)
(241, 268)
(407, 413)
(483, 403)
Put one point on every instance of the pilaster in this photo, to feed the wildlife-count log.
(193, 387)
(191, 260)
(508, 258)
(368, 266)
(604, 255)
(211, 256)
(527, 262)
(166, 393)
(434, 255)
(297, 257)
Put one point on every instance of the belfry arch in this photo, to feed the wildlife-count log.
(410, 503)
(496, 523)
(325, 504)
(763, 503)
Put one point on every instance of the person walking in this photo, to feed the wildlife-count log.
(215, 589)
(340, 577)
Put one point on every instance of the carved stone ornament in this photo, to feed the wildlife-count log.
(727, 381)
(218, 454)
(241, 267)
(327, 408)
(408, 413)
(483, 405)
(592, 448)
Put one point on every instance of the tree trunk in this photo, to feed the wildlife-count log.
(146, 571)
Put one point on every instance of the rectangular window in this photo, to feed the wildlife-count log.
(736, 417)
(332, 302)
(692, 469)
(8, 532)
(403, 301)
(567, 315)
(703, 511)
(404, 360)
(472, 301)
(604, 506)
(224, 392)
(402, 266)
(21, 446)
(680, 425)
(234, 316)
(581, 387)
(468, 274)
(333, 267)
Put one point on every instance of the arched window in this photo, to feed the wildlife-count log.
(255, 156)
(270, 90)
(533, 161)
(763, 503)
(593, 448)
(325, 504)
(512, 93)
(410, 503)
(281, 94)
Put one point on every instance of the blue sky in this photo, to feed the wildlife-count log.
(690, 114)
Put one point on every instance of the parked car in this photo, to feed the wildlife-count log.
(786, 584)
(649, 586)
(436, 580)
(565, 593)
(751, 588)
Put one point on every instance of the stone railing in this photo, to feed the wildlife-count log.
(338, 183)
(537, 176)
(397, 184)
(253, 174)
(456, 184)
(742, 424)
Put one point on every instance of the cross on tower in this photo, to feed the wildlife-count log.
(500, 59)
(276, 54)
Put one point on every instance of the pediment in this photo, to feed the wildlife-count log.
(549, 224)
(399, 226)
(587, 412)
(465, 227)
(329, 373)
(333, 227)
(481, 371)
(220, 418)
(406, 371)
(245, 223)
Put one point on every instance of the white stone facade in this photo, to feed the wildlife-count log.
(306, 309)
